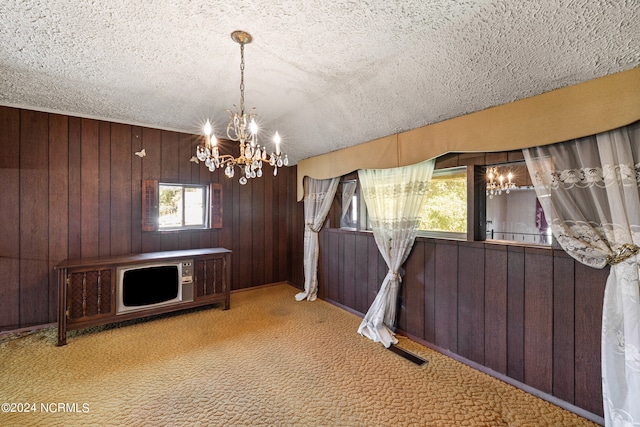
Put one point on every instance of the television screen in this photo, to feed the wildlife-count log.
(150, 285)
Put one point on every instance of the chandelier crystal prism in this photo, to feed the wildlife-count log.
(242, 128)
(496, 183)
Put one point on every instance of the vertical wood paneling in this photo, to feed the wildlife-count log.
(471, 301)
(169, 241)
(413, 291)
(151, 141)
(75, 187)
(349, 277)
(225, 238)
(446, 295)
(373, 279)
(58, 202)
(170, 157)
(235, 242)
(184, 239)
(429, 291)
(104, 190)
(295, 219)
(89, 179)
(185, 167)
(538, 319)
(515, 312)
(495, 321)
(590, 284)
(246, 233)
(333, 291)
(341, 268)
(258, 207)
(136, 189)
(269, 228)
(361, 273)
(34, 215)
(120, 189)
(282, 245)
(563, 326)
(10, 218)
(323, 265)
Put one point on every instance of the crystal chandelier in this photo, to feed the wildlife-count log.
(242, 128)
(496, 182)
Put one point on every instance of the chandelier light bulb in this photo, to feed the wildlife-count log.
(207, 128)
(276, 139)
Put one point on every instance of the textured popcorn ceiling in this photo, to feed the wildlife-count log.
(325, 74)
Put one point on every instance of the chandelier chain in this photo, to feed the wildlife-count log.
(241, 78)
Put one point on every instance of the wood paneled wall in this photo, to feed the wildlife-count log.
(532, 314)
(71, 187)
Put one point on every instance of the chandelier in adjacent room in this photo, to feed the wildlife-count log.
(242, 128)
(496, 182)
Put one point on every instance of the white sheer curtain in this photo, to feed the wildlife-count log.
(394, 198)
(319, 194)
(588, 189)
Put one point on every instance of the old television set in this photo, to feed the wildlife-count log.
(146, 286)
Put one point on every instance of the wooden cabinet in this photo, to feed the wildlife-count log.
(89, 287)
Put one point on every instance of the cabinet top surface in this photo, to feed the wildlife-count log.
(143, 257)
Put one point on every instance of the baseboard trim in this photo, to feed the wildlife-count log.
(27, 329)
(267, 285)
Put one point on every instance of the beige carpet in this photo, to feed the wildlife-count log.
(269, 360)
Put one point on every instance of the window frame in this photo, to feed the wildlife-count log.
(212, 206)
(184, 188)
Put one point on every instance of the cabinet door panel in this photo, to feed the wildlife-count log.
(89, 294)
(209, 277)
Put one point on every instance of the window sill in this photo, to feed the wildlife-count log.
(174, 230)
(444, 235)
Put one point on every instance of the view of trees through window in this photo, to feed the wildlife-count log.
(181, 206)
(446, 205)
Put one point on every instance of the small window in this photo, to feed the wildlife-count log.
(444, 214)
(173, 206)
(182, 206)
